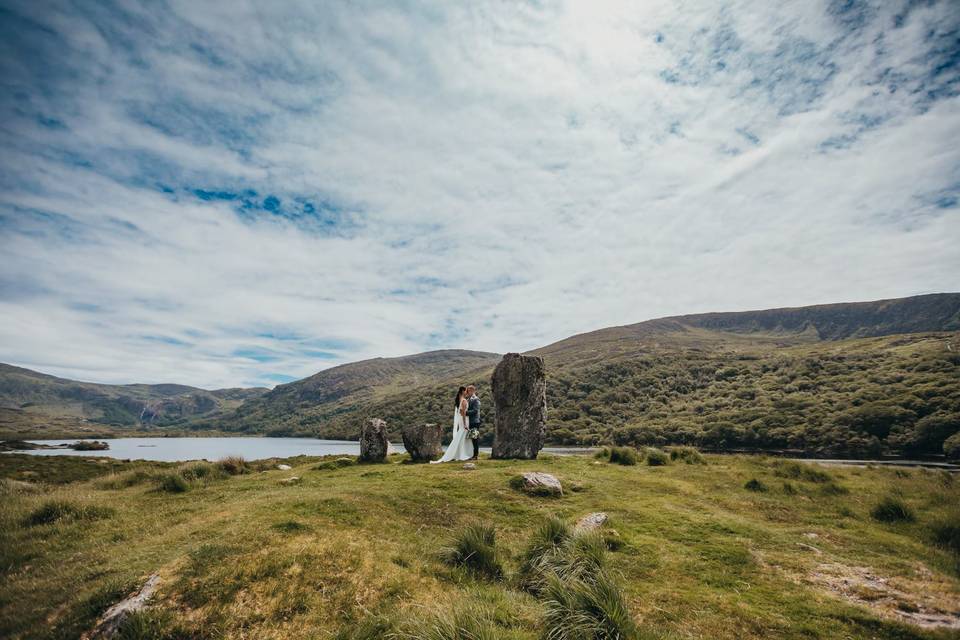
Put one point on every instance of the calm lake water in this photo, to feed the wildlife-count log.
(180, 449)
(177, 449)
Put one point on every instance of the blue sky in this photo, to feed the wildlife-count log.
(232, 193)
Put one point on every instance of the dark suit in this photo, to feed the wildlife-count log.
(473, 413)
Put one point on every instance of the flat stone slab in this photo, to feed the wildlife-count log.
(539, 483)
(469, 466)
(111, 620)
(590, 522)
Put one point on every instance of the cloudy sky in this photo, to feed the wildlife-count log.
(231, 193)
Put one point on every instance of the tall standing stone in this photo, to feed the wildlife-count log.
(373, 441)
(422, 441)
(520, 399)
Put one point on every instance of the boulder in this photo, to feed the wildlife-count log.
(469, 466)
(590, 522)
(373, 441)
(284, 467)
(519, 391)
(538, 483)
(290, 481)
(422, 441)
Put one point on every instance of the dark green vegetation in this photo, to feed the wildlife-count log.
(358, 551)
(859, 379)
(892, 509)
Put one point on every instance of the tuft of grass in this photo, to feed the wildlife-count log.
(689, 455)
(53, 511)
(800, 471)
(789, 489)
(833, 489)
(471, 621)
(152, 624)
(755, 485)
(124, 480)
(337, 463)
(290, 526)
(946, 534)
(234, 465)
(656, 458)
(626, 456)
(602, 454)
(475, 548)
(200, 471)
(580, 609)
(892, 509)
(172, 482)
(546, 543)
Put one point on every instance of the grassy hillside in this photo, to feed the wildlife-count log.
(36, 403)
(739, 547)
(304, 405)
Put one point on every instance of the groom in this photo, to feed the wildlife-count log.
(473, 413)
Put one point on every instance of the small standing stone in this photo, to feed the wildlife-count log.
(373, 441)
(519, 391)
(422, 441)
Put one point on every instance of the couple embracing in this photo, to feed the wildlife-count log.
(466, 427)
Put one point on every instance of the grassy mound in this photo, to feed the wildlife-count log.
(475, 548)
(892, 509)
(53, 511)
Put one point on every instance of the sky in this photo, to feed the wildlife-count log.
(229, 193)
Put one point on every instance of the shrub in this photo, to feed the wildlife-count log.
(800, 471)
(53, 511)
(593, 608)
(892, 509)
(624, 455)
(172, 482)
(689, 455)
(755, 485)
(233, 465)
(90, 445)
(656, 457)
(602, 454)
(475, 549)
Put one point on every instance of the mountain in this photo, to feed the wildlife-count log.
(309, 403)
(45, 403)
(852, 378)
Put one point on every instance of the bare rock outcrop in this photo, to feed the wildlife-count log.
(422, 441)
(374, 444)
(520, 399)
(110, 622)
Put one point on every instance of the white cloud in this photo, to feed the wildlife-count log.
(488, 175)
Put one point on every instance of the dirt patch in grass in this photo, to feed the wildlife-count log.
(923, 599)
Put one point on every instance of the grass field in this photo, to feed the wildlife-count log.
(739, 547)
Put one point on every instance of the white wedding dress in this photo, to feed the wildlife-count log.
(461, 447)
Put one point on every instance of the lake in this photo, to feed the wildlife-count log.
(178, 449)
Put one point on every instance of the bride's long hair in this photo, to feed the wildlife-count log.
(460, 392)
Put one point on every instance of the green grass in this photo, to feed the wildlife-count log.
(475, 549)
(352, 554)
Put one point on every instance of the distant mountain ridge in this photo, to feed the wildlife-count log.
(662, 375)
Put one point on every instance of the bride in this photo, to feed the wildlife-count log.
(460, 447)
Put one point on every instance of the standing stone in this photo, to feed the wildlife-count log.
(373, 441)
(520, 401)
(422, 442)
